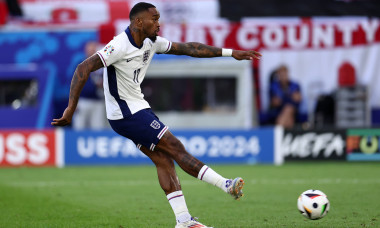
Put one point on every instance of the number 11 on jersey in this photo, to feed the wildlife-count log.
(136, 75)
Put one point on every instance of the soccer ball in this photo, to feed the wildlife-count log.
(313, 204)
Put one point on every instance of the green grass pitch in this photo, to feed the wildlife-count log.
(130, 196)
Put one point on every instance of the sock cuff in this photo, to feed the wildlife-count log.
(202, 172)
(174, 195)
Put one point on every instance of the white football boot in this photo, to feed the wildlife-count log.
(235, 187)
(193, 223)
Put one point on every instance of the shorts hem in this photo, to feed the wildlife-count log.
(162, 132)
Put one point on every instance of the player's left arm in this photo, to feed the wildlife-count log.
(199, 50)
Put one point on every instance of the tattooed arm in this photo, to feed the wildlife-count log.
(80, 77)
(205, 51)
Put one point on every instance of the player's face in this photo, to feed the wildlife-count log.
(151, 25)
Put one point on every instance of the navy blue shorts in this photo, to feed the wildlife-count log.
(143, 128)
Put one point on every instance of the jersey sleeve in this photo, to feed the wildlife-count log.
(162, 45)
(111, 53)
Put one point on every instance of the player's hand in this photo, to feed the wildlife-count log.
(246, 55)
(65, 119)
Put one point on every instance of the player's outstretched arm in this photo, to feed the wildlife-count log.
(199, 50)
(80, 77)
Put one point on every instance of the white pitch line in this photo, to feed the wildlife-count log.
(353, 181)
(296, 181)
(53, 184)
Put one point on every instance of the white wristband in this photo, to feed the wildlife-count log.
(226, 52)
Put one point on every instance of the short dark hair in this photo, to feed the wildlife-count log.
(139, 7)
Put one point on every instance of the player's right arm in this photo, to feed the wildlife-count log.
(80, 77)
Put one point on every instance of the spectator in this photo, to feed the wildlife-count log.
(90, 111)
(285, 98)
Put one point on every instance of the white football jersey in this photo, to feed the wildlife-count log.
(125, 68)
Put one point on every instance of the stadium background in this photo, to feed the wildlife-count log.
(221, 118)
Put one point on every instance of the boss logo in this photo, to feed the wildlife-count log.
(27, 148)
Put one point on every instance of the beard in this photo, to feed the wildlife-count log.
(153, 38)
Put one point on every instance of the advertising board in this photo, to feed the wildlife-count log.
(27, 148)
(314, 145)
(230, 146)
(363, 145)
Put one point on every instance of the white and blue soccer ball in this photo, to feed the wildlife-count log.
(313, 204)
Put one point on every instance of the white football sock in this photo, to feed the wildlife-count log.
(210, 176)
(178, 204)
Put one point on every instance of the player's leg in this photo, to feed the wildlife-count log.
(169, 182)
(171, 146)
(145, 129)
(167, 175)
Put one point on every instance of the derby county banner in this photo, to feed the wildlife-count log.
(314, 145)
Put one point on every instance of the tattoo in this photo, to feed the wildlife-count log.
(191, 161)
(195, 50)
(80, 77)
(74, 82)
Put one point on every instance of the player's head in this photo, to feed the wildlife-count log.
(145, 17)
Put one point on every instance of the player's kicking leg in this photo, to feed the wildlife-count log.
(170, 145)
(153, 138)
(170, 184)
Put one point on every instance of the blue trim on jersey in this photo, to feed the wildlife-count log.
(112, 86)
(129, 34)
